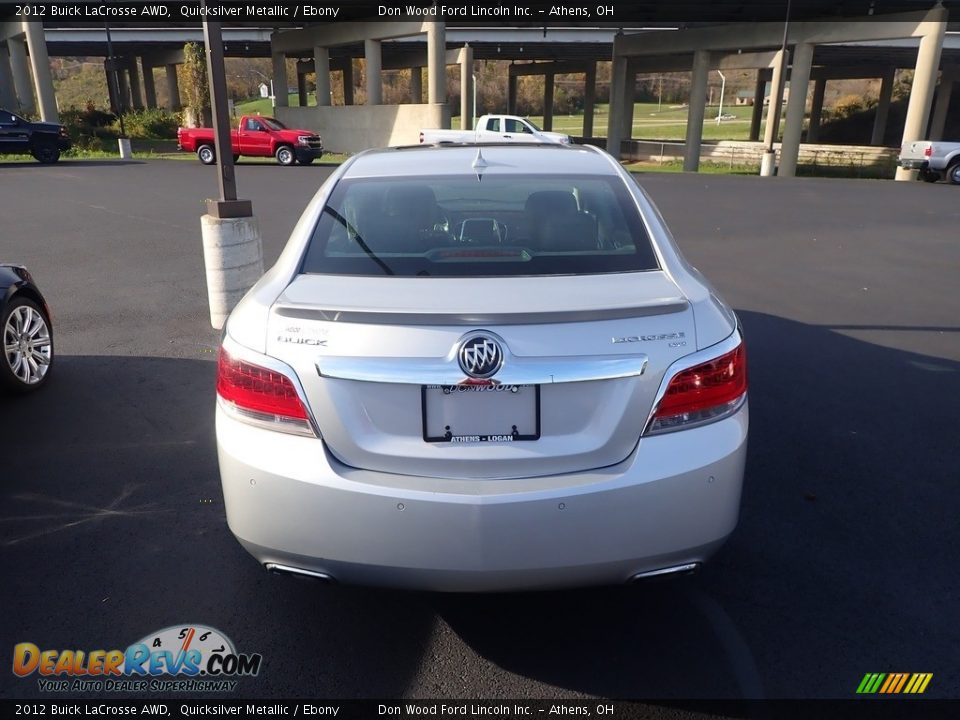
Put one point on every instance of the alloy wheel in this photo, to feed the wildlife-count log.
(27, 346)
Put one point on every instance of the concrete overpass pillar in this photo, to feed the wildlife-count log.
(321, 65)
(371, 53)
(696, 110)
(589, 98)
(883, 107)
(173, 88)
(511, 94)
(436, 63)
(149, 88)
(304, 68)
(629, 97)
(773, 112)
(280, 82)
(924, 80)
(548, 101)
(618, 82)
(796, 106)
(136, 97)
(348, 82)
(8, 98)
(942, 104)
(21, 75)
(416, 85)
(756, 117)
(816, 109)
(466, 88)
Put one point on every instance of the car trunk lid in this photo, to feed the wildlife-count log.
(583, 357)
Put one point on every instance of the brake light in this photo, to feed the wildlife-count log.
(705, 392)
(928, 150)
(261, 395)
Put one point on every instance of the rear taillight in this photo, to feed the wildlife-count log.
(928, 150)
(260, 395)
(705, 392)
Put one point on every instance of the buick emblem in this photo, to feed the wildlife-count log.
(480, 356)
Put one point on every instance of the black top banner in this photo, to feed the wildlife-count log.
(569, 12)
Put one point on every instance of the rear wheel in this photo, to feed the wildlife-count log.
(27, 346)
(930, 176)
(953, 173)
(285, 155)
(207, 154)
(235, 158)
(46, 153)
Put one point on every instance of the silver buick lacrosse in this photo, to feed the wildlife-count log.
(480, 368)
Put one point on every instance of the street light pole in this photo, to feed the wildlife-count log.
(213, 40)
(123, 142)
(232, 248)
(768, 161)
(723, 86)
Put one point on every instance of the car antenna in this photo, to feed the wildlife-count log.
(479, 164)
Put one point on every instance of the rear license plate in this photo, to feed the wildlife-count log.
(477, 414)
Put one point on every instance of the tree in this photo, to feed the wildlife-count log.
(197, 87)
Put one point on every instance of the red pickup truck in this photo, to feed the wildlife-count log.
(256, 136)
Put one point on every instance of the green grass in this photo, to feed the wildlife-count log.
(669, 122)
(649, 123)
(264, 106)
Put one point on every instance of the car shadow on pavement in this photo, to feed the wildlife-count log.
(112, 523)
(838, 565)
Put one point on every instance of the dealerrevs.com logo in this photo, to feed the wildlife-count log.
(181, 658)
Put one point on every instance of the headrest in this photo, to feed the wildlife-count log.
(551, 202)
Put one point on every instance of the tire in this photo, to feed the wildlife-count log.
(953, 173)
(305, 160)
(930, 176)
(46, 153)
(27, 346)
(207, 154)
(285, 155)
(235, 158)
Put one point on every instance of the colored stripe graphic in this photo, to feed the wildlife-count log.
(903, 679)
(894, 683)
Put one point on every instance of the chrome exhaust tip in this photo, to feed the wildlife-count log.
(685, 569)
(278, 569)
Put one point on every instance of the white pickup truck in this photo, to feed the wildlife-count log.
(934, 159)
(495, 128)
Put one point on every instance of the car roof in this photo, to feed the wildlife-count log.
(496, 159)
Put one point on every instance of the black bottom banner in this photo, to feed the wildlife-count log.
(351, 709)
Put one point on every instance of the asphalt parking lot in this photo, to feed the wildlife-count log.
(844, 562)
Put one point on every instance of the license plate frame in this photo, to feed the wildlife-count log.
(480, 438)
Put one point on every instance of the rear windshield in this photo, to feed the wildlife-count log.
(467, 226)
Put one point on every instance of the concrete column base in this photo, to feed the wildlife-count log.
(906, 174)
(125, 152)
(768, 163)
(233, 257)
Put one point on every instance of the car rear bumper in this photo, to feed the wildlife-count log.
(914, 164)
(673, 501)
